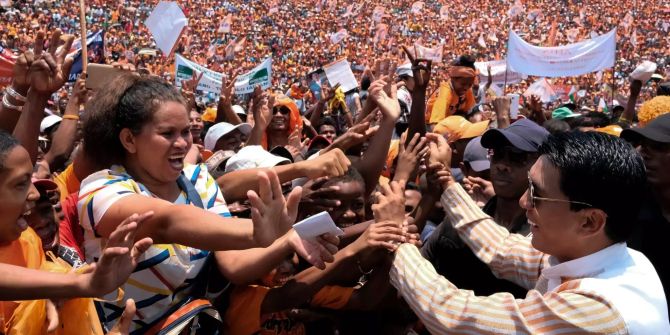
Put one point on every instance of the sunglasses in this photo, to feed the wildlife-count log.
(282, 110)
(508, 154)
(532, 198)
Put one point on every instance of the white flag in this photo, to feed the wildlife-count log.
(378, 13)
(562, 61)
(481, 41)
(633, 38)
(492, 37)
(417, 7)
(166, 23)
(516, 10)
(444, 12)
(542, 88)
(338, 36)
(627, 21)
(226, 24)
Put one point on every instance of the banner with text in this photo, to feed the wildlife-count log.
(563, 61)
(260, 75)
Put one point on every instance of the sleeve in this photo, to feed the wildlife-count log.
(243, 316)
(509, 256)
(100, 191)
(332, 297)
(208, 189)
(443, 308)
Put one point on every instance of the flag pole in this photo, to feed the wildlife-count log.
(84, 46)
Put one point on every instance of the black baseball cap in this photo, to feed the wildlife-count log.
(524, 135)
(657, 130)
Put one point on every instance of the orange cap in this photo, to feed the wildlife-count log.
(456, 127)
(612, 129)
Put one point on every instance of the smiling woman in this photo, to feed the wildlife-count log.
(140, 128)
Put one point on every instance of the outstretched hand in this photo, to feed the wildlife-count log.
(271, 213)
(119, 258)
(50, 70)
(318, 251)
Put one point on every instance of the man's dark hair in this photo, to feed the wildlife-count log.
(602, 170)
(556, 126)
(593, 119)
(466, 61)
(7, 143)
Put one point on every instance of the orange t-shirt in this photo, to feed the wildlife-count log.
(67, 182)
(243, 316)
(26, 252)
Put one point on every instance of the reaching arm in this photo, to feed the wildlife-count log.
(27, 130)
(629, 113)
(64, 137)
(417, 118)
(234, 185)
(443, 308)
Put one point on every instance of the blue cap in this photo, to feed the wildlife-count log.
(476, 155)
(524, 135)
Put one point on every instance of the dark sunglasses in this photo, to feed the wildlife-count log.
(282, 110)
(508, 154)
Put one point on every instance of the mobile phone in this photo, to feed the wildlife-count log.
(100, 75)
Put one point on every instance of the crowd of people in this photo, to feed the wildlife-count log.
(147, 207)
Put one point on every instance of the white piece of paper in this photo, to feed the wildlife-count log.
(562, 61)
(433, 54)
(260, 75)
(165, 24)
(340, 73)
(542, 88)
(317, 225)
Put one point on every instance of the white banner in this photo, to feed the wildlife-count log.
(185, 69)
(340, 73)
(165, 24)
(260, 75)
(498, 72)
(562, 61)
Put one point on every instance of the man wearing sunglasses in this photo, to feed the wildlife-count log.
(512, 151)
(581, 201)
(653, 223)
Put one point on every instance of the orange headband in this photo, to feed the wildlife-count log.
(462, 72)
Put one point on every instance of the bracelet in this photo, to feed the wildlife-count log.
(8, 105)
(358, 263)
(16, 95)
(71, 117)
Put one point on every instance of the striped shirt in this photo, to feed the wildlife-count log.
(613, 291)
(165, 272)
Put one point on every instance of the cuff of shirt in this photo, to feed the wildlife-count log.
(459, 208)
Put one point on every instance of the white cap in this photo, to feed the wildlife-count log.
(404, 70)
(253, 157)
(222, 129)
(239, 110)
(49, 121)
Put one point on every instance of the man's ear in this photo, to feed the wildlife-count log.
(593, 221)
(128, 140)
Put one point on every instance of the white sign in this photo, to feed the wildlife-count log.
(340, 73)
(498, 72)
(433, 54)
(185, 69)
(378, 13)
(165, 24)
(417, 7)
(444, 12)
(562, 61)
(260, 75)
